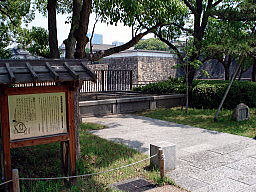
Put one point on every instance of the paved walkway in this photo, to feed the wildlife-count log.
(208, 161)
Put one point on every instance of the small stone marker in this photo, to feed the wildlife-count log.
(169, 153)
(241, 112)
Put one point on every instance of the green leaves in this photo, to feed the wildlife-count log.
(35, 41)
(152, 44)
(138, 12)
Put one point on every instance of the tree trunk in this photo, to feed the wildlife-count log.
(81, 32)
(77, 123)
(52, 28)
(240, 75)
(254, 70)
(191, 75)
(227, 74)
(226, 93)
(70, 42)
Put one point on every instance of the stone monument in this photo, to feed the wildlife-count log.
(241, 112)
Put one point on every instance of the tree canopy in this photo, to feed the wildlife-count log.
(12, 13)
(152, 44)
(168, 19)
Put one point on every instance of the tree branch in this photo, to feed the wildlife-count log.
(234, 15)
(216, 3)
(191, 8)
(182, 28)
(171, 46)
(100, 54)
(10, 18)
(93, 30)
(206, 15)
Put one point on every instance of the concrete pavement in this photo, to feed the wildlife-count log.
(207, 161)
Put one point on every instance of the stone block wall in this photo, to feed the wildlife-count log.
(123, 63)
(156, 68)
(145, 69)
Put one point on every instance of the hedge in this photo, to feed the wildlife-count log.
(208, 93)
(171, 86)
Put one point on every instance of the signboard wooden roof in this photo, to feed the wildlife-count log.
(48, 70)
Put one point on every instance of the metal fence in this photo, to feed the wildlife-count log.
(109, 80)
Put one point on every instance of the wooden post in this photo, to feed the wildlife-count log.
(15, 181)
(161, 163)
(6, 137)
(72, 136)
(64, 157)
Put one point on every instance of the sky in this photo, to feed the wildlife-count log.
(110, 33)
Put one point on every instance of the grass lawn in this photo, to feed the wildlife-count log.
(96, 155)
(203, 118)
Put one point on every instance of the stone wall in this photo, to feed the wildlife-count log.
(156, 68)
(123, 63)
(216, 71)
(129, 105)
(145, 69)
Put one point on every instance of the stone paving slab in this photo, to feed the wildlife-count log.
(243, 154)
(221, 173)
(233, 147)
(167, 188)
(200, 156)
(247, 165)
(184, 169)
(212, 163)
(190, 183)
(226, 185)
(249, 189)
(199, 148)
(207, 160)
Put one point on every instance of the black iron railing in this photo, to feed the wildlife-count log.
(109, 80)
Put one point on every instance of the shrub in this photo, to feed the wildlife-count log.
(163, 87)
(207, 93)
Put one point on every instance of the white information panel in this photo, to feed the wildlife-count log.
(34, 115)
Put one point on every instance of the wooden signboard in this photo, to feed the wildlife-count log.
(38, 115)
(37, 107)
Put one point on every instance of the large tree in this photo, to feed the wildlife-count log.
(144, 15)
(35, 41)
(222, 41)
(200, 12)
(244, 12)
(195, 29)
(12, 13)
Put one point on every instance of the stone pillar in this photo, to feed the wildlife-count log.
(114, 108)
(152, 104)
(169, 153)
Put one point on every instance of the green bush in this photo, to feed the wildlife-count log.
(170, 86)
(207, 93)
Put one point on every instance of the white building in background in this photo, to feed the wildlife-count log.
(97, 38)
(117, 43)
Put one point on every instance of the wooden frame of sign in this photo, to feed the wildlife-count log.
(67, 138)
(37, 106)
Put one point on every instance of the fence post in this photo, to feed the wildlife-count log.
(102, 80)
(15, 180)
(131, 80)
(161, 163)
